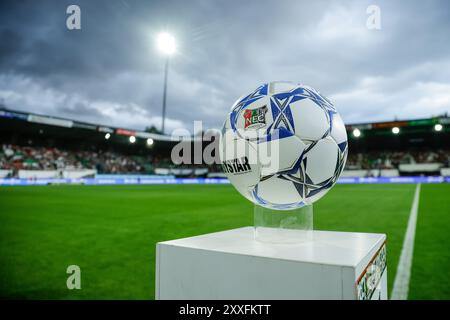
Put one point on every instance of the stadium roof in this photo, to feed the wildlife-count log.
(68, 123)
(400, 123)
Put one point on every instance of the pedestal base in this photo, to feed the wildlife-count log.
(283, 226)
(233, 265)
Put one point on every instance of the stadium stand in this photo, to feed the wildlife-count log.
(42, 162)
(36, 146)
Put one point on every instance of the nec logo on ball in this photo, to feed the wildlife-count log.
(255, 118)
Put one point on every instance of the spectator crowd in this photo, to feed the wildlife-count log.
(45, 158)
(391, 160)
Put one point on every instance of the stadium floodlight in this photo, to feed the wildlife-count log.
(132, 139)
(395, 130)
(356, 133)
(149, 141)
(107, 136)
(438, 127)
(167, 45)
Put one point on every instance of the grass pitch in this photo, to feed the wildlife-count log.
(111, 232)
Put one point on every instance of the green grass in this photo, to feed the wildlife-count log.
(111, 232)
(431, 263)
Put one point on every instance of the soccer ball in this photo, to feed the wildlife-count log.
(283, 146)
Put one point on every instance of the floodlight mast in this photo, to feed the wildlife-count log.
(166, 44)
(166, 71)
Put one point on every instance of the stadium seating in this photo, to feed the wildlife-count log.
(43, 162)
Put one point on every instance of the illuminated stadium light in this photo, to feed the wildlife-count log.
(132, 139)
(166, 43)
(107, 136)
(395, 130)
(438, 127)
(149, 141)
(356, 133)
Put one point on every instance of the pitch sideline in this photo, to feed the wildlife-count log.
(402, 277)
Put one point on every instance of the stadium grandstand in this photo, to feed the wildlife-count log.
(38, 146)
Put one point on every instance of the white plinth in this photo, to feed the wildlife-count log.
(232, 265)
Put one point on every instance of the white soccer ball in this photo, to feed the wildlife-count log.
(283, 146)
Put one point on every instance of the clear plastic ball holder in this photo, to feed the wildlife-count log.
(283, 226)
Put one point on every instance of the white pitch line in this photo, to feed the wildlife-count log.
(401, 282)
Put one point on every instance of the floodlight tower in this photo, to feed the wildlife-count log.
(166, 44)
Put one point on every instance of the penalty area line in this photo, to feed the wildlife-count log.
(401, 282)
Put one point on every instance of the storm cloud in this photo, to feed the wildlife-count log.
(110, 72)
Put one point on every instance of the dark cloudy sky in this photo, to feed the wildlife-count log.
(110, 72)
